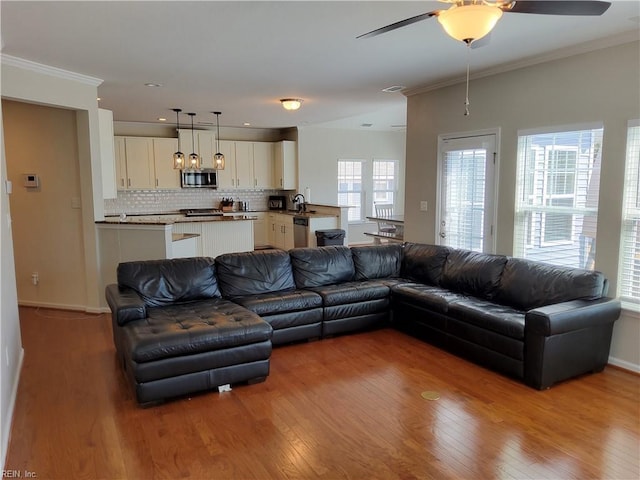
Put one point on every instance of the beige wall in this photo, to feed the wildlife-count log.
(602, 85)
(47, 229)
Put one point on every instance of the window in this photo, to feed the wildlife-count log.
(384, 181)
(359, 180)
(350, 191)
(629, 272)
(557, 192)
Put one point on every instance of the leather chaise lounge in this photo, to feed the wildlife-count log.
(187, 325)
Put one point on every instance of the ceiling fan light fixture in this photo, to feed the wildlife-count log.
(291, 103)
(469, 22)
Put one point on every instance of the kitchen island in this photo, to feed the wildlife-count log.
(152, 237)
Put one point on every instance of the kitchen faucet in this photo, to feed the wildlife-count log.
(302, 206)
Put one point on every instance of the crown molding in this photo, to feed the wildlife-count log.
(585, 47)
(48, 70)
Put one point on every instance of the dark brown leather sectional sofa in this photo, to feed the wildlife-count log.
(188, 325)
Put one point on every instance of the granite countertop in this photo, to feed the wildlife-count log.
(170, 219)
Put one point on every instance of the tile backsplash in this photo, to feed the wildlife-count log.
(141, 202)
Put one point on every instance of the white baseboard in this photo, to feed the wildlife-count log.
(7, 423)
(632, 367)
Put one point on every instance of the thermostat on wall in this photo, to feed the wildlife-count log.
(31, 180)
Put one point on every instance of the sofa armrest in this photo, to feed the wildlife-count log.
(573, 315)
(125, 304)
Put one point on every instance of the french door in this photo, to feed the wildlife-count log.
(466, 184)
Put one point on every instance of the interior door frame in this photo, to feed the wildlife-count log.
(496, 176)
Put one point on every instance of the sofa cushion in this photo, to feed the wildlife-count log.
(473, 273)
(190, 328)
(526, 285)
(425, 296)
(485, 314)
(253, 273)
(164, 282)
(314, 267)
(280, 302)
(424, 263)
(351, 292)
(377, 261)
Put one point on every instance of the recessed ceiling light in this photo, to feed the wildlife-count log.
(246, 124)
(99, 99)
(393, 89)
(151, 84)
(162, 119)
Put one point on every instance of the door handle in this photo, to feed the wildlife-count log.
(443, 235)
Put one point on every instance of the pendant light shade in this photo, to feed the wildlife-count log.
(194, 158)
(178, 157)
(218, 158)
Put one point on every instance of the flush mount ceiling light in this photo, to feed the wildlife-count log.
(194, 158)
(152, 84)
(291, 103)
(218, 158)
(178, 157)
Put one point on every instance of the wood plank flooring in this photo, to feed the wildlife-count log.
(349, 407)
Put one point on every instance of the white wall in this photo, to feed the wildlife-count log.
(601, 85)
(319, 150)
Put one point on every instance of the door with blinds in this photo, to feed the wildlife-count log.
(466, 184)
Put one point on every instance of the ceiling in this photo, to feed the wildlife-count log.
(241, 57)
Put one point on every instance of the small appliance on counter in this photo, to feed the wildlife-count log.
(203, 178)
(277, 202)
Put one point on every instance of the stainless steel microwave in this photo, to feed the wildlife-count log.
(202, 178)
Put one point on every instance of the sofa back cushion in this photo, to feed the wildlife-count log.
(377, 261)
(162, 282)
(473, 273)
(315, 267)
(252, 273)
(423, 263)
(526, 284)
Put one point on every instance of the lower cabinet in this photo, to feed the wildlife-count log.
(281, 231)
(260, 230)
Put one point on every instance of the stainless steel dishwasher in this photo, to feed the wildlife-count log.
(300, 231)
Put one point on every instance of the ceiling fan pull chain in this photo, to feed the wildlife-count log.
(466, 100)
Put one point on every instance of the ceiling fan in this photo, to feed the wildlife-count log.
(470, 20)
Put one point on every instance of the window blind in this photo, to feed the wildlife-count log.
(557, 189)
(350, 188)
(629, 271)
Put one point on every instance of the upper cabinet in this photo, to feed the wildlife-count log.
(107, 153)
(285, 165)
(248, 165)
(166, 176)
(144, 163)
(203, 143)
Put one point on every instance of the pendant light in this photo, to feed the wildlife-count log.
(194, 158)
(178, 157)
(218, 158)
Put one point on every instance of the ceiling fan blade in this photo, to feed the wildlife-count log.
(558, 7)
(401, 23)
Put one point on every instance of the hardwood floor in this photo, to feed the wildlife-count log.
(346, 407)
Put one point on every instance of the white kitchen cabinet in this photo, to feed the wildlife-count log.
(281, 231)
(285, 165)
(244, 165)
(263, 158)
(260, 230)
(107, 154)
(166, 177)
(139, 159)
(204, 144)
(121, 163)
(227, 177)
